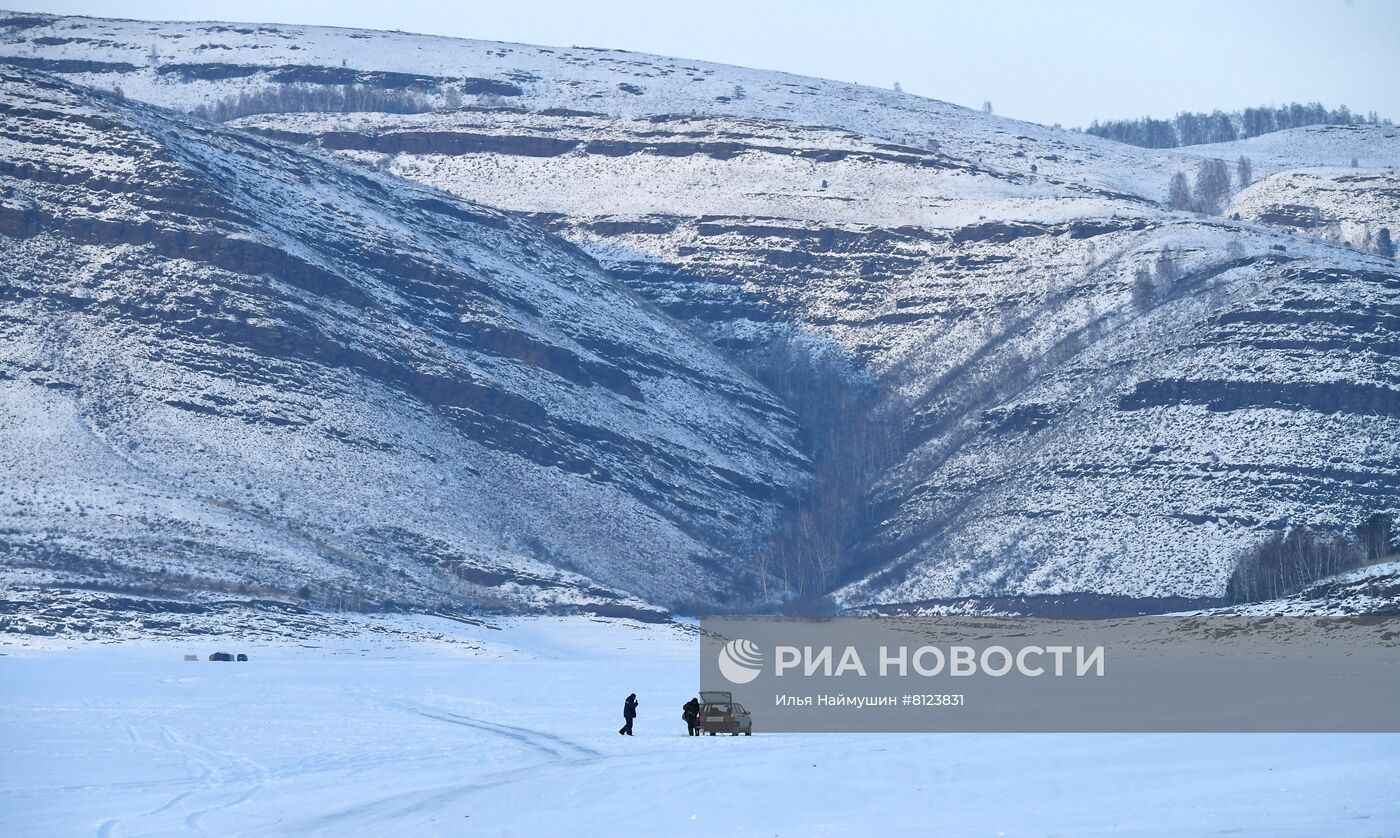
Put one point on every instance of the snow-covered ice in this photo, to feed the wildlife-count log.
(512, 731)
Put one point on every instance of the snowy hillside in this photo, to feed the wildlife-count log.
(1371, 146)
(186, 65)
(228, 366)
(1041, 429)
(1010, 369)
(1367, 591)
(1349, 206)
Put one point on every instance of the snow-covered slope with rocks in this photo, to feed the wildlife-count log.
(1369, 146)
(231, 366)
(187, 65)
(1043, 431)
(1016, 410)
(1345, 205)
(1371, 591)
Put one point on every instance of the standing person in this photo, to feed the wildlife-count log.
(691, 714)
(629, 712)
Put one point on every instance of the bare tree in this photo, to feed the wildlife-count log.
(1286, 562)
(1217, 127)
(301, 98)
(1377, 537)
(851, 441)
(1244, 171)
(1144, 289)
(1212, 185)
(1179, 193)
(1384, 246)
(1167, 268)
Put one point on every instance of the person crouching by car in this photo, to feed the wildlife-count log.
(629, 712)
(691, 714)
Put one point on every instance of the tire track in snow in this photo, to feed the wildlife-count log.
(225, 768)
(108, 827)
(547, 743)
(210, 771)
(562, 754)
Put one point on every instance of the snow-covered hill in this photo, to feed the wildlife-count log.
(1042, 429)
(187, 65)
(1369, 146)
(1015, 371)
(1348, 206)
(230, 366)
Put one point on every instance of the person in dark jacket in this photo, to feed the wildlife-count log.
(691, 714)
(629, 712)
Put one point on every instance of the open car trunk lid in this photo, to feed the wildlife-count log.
(716, 697)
